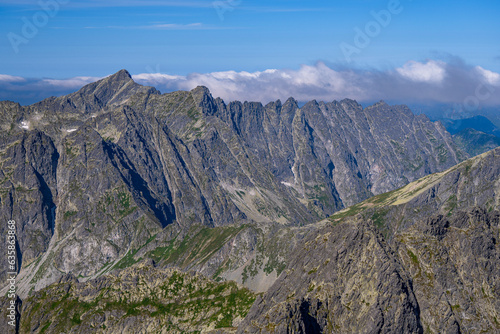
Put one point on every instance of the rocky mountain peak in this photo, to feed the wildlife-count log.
(381, 103)
(114, 90)
(111, 84)
(203, 99)
(290, 105)
(121, 75)
(201, 90)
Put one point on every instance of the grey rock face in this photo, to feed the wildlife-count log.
(344, 279)
(337, 153)
(472, 183)
(455, 265)
(11, 314)
(445, 258)
(28, 194)
(439, 276)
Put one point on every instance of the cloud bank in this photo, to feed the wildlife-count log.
(427, 82)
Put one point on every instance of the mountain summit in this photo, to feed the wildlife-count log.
(113, 90)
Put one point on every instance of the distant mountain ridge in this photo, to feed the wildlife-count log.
(475, 142)
(474, 135)
(478, 123)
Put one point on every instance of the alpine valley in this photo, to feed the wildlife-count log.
(142, 212)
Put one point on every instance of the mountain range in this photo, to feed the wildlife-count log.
(328, 217)
(478, 123)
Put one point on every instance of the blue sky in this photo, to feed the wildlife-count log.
(94, 38)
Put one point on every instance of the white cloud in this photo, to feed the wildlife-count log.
(155, 77)
(318, 82)
(430, 72)
(432, 81)
(175, 26)
(492, 78)
(73, 83)
(10, 78)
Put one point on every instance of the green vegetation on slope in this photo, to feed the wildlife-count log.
(178, 301)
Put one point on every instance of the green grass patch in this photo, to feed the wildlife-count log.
(312, 271)
(69, 214)
(378, 218)
(76, 320)
(124, 200)
(349, 212)
(127, 260)
(413, 257)
(197, 248)
(451, 204)
(45, 327)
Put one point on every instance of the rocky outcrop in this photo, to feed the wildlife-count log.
(10, 313)
(344, 279)
(28, 194)
(472, 183)
(455, 266)
(444, 258)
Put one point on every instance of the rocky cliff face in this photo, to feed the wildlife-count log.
(343, 279)
(362, 270)
(29, 191)
(117, 170)
(469, 184)
(454, 264)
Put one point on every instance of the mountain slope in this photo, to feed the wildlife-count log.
(141, 299)
(471, 183)
(439, 276)
(444, 259)
(344, 279)
(454, 262)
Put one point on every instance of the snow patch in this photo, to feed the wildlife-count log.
(25, 125)
(71, 130)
